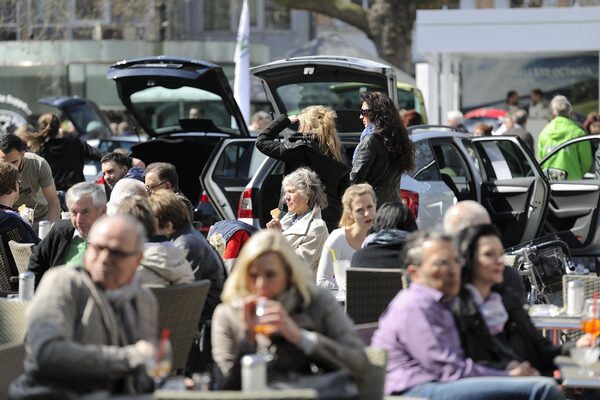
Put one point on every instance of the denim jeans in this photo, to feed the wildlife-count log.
(489, 388)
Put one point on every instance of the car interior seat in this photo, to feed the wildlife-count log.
(439, 155)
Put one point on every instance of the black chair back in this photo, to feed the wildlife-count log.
(369, 291)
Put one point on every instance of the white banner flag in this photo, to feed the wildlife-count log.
(241, 58)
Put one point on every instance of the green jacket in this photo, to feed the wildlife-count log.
(574, 160)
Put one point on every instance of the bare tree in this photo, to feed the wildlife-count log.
(388, 23)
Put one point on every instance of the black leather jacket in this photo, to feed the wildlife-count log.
(373, 164)
(521, 340)
(302, 151)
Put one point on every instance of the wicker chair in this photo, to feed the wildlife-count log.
(297, 394)
(179, 309)
(6, 283)
(13, 323)
(371, 388)
(11, 365)
(21, 253)
(369, 291)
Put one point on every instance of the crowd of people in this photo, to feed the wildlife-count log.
(459, 329)
(560, 126)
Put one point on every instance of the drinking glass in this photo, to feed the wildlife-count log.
(585, 357)
(263, 329)
(159, 366)
(590, 318)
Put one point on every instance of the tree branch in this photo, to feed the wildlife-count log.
(347, 12)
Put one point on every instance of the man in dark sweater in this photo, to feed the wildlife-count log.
(67, 240)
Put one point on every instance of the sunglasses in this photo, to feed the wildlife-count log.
(365, 112)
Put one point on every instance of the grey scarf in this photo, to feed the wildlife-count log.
(122, 303)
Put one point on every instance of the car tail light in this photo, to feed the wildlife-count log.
(204, 198)
(245, 205)
(411, 201)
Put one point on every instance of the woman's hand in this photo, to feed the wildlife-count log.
(274, 224)
(523, 369)
(586, 340)
(281, 321)
(293, 118)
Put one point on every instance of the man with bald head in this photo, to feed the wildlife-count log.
(90, 327)
(468, 213)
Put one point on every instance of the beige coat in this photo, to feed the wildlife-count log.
(73, 343)
(307, 237)
(164, 264)
(337, 347)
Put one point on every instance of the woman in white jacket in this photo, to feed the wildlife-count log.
(359, 205)
(302, 226)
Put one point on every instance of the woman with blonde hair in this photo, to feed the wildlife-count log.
(357, 219)
(315, 144)
(268, 303)
(65, 154)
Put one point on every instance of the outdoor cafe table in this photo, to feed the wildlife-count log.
(557, 323)
(572, 376)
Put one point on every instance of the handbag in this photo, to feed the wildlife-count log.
(337, 385)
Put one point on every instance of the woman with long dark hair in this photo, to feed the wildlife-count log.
(65, 154)
(494, 327)
(385, 151)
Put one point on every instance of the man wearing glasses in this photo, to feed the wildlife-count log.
(67, 241)
(162, 175)
(90, 327)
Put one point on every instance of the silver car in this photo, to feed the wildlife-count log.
(496, 171)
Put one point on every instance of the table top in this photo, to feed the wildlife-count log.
(572, 376)
(561, 321)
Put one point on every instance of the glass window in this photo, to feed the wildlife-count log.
(8, 11)
(44, 11)
(344, 98)
(89, 9)
(130, 10)
(426, 168)
(277, 17)
(452, 168)
(576, 161)
(238, 160)
(406, 100)
(183, 109)
(217, 15)
(503, 160)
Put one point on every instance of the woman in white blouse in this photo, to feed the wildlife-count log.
(359, 205)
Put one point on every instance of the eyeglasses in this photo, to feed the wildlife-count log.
(449, 263)
(151, 188)
(115, 254)
(365, 111)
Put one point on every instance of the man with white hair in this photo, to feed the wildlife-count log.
(90, 327)
(454, 118)
(125, 187)
(468, 213)
(573, 162)
(67, 240)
